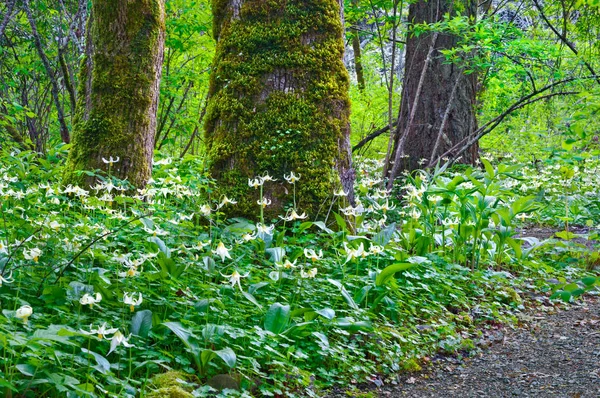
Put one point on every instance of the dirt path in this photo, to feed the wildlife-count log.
(556, 355)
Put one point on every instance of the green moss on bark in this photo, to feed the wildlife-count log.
(279, 100)
(118, 90)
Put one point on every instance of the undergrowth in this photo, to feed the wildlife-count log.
(104, 293)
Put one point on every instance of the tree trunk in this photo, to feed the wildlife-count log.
(118, 91)
(279, 102)
(438, 99)
(358, 66)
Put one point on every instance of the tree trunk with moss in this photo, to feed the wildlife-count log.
(118, 92)
(279, 103)
(438, 98)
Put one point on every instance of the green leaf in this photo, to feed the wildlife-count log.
(389, 271)
(489, 169)
(566, 235)
(353, 326)
(251, 298)
(26, 369)
(322, 225)
(228, 356)
(102, 364)
(385, 235)
(326, 313)
(589, 280)
(276, 254)
(184, 334)
(277, 318)
(141, 323)
(341, 222)
(161, 245)
(347, 297)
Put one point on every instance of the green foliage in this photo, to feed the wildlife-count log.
(122, 288)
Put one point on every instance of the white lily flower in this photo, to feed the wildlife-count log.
(294, 216)
(32, 254)
(117, 340)
(292, 178)
(102, 331)
(376, 249)
(129, 300)
(312, 255)
(205, 210)
(340, 192)
(415, 213)
(234, 279)
(355, 253)
(226, 201)
(247, 237)
(255, 183)
(8, 279)
(267, 177)
(24, 312)
(287, 264)
(265, 229)
(311, 273)
(88, 299)
(111, 160)
(3, 247)
(222, 251)
(132, 271)
(264, 202)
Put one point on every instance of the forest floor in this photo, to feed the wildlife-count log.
(553, 352)
(549, 355)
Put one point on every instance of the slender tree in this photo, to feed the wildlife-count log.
(279, 101)
(118, 91)
(438, 99)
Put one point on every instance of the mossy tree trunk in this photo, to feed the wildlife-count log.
(438, 98)
(118, 92)
(279, 102)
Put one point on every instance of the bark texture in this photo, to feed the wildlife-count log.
(279, 102)
(438, 99)
(119, 89)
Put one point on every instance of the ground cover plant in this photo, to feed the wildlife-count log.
(107, 292)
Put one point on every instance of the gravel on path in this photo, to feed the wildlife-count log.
(551, 355)
(556, 355)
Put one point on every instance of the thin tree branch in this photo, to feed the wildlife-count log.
(564, 39)
(8, 13)
(202, 113)
(64, 131)
(373, 135)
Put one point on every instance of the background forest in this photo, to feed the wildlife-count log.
(471, 193)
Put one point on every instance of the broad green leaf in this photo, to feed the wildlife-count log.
(326, 313)
(26, 369)
(389, 271)
(228, 356)
(276, 254)
(102, 364)
(566, 235)
(489, 169)
(251, 298)
(141, 323)
(161, 245)
(589, 280)
(353, 326)
(277, 318)
(184, 334)
(347, 297)
(385, 235)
